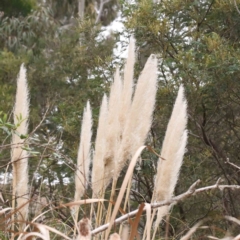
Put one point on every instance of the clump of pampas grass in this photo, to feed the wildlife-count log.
(128, 120)
(19, 156)
(124, 122)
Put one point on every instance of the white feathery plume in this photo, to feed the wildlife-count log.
(127, 83)
(83, 159)
(140, 115)
(113, 134)
(119, 105)
(173, 150)
(100, 149)
(20, 156)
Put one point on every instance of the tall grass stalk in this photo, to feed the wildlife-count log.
(127, 97)
(121, 112)
(123, 188)
(113, 134)
(128, 123)
(19, 156)
(114, 129)
(111, 140)
(173, 150)
(98, 159)
(100, 150)
(83, 159)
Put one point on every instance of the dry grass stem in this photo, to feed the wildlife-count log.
(125, 232)
(148, 222)
(44, 232)
(81, 202)
(123, 188)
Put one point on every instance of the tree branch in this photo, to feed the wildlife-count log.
(191, 191)
(100, 9)
(232, 164)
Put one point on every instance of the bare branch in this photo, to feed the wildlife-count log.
(191, 191)
(192, 230)
(233, 219)
(232, 164)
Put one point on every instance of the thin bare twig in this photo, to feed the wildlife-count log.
(232, 164)
(40, 123)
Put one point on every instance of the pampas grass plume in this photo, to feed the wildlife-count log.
(20, 156)
(100, 149)
(127, 83)
(113, 133)
(140, 119)
(83, 159)
(173, 150)
(140, 115)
